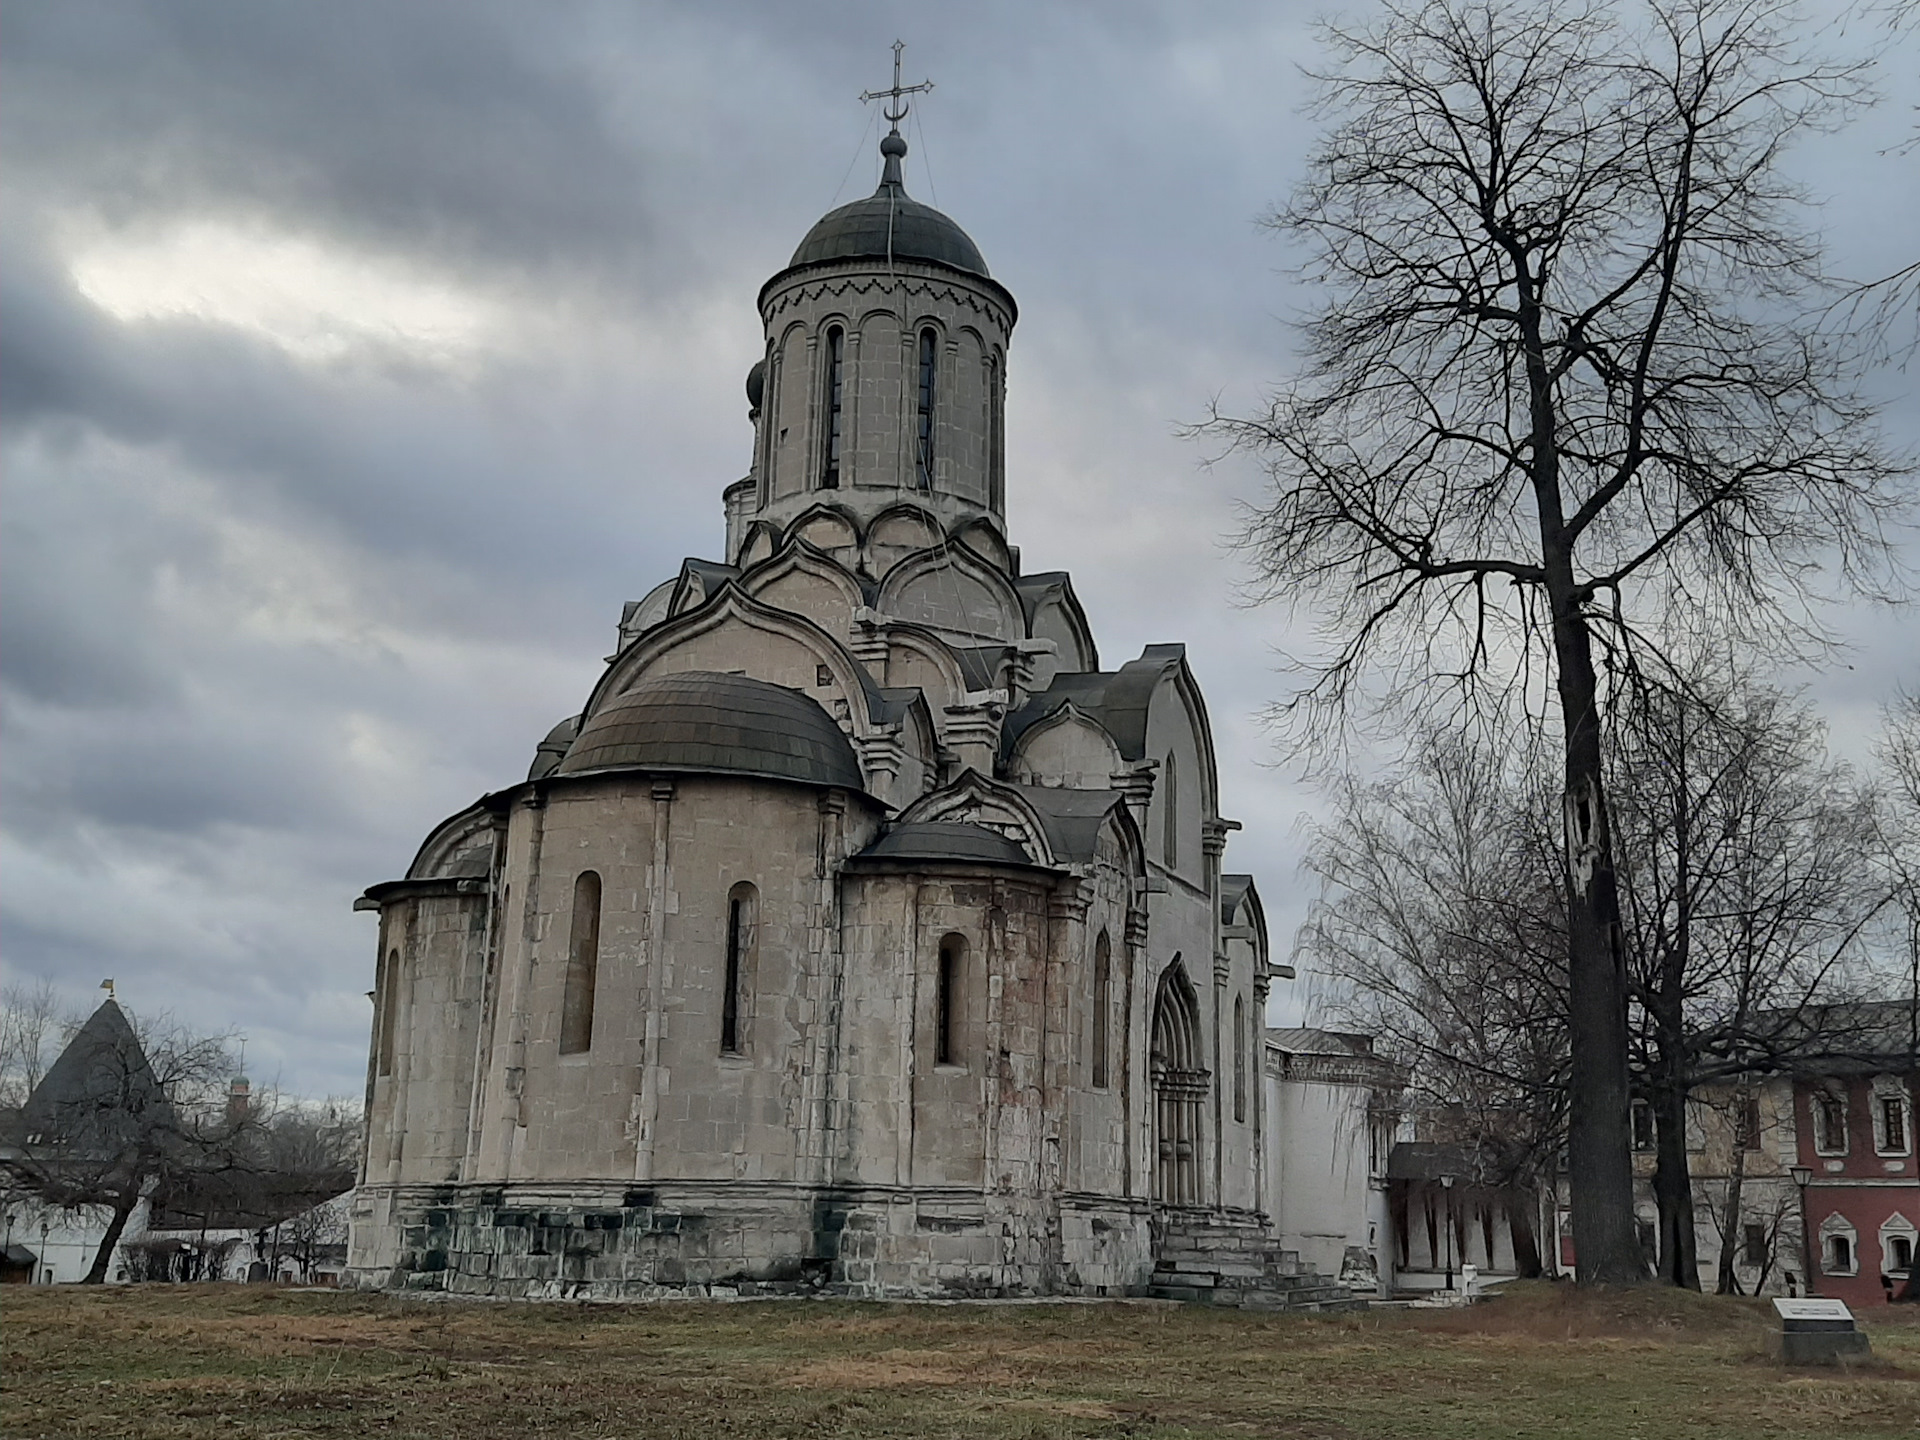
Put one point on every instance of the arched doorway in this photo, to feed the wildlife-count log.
(1179, 1085)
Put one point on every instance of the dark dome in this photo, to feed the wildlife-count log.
(889, 224)
(947, 840)
(860, 231)
(700, 721)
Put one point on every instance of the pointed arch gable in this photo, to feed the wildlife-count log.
(952, 589)
(1069, 748)
(918, 657)
(762, 539)
(974, 799)
(809, 582)
(830, 528)
(900, 530)
(1054, 613)
(783, 648)
(983, 538)
(461, 845)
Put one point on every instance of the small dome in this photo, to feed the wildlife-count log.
(889, 224)
(698, 721)
(947, 840)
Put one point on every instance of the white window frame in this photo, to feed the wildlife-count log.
(1837, 1226)
(1896, 1224)
(1815, 1098)
(1886, 1088)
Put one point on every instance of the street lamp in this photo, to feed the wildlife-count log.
(1446, 1184)
(1803, 1176)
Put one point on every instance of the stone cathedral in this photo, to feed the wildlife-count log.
(862, 934)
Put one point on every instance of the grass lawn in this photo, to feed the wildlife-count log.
(205, 1360)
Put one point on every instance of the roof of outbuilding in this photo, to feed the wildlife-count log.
(701, 721)
(100, 1086)
(947, 840)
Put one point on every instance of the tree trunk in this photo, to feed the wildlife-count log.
(1672, 1181)
(1526, 1245)
(1729, 1278)
(1599, 1137)
(122, 1211)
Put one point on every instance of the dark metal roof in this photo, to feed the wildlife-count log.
(1118, 699)
(101, 1089)
(947, 840)
(1072, 817)
(705, 722)
(889, 224)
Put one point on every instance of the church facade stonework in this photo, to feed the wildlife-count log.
(861, 934)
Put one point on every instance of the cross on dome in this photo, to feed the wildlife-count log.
(897, 92)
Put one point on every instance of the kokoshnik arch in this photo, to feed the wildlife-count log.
(861, 932)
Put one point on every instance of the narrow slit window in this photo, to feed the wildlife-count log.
(583, 967)
(1748, 1128)
(741, 906)
(1642, 1125)
(1239, 1060)
(1170, 814)
(946, 1016)
(389, 1008)
(834, 404)
(1102, 1006)
(923, 463)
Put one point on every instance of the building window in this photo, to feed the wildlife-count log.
(1642, 1125)
(389, 1010)
(1746, 1124)
(583, 967)
(1839, 1246)
(1102, 1006)
(1899, 1254)
(833, 402)
(1754, 1244)
(1239, 1060)
(1830, 1122)
(1170, 814)
(1892, 1115)
(735, 999)
(947, 1000)
(923, 461)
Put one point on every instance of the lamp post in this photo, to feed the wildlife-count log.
(1446, 1184)
(1803, 1176)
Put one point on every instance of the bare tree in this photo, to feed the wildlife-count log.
(31, 1020)
(1441, 921)
(1898, 861)
(119, 1114)
(1747, 889)
(1557, 377)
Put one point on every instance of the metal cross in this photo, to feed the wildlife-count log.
(899, 92)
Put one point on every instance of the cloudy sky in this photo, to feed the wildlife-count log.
(358, 360)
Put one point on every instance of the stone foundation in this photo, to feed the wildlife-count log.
(612, 1242)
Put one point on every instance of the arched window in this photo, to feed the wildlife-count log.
(1170, 813)
(583, 967)
(1239, 1059)
(1102, 1006)
(923, 462)
(389, 1010)
(948, 1000)
(743, 903)
(832, 404)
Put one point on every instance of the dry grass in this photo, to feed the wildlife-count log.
(1543, 1361)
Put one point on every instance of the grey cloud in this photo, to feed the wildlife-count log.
(264, 621)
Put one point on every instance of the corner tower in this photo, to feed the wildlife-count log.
(884, 374)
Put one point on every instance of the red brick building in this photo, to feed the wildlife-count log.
(1853, 1123)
